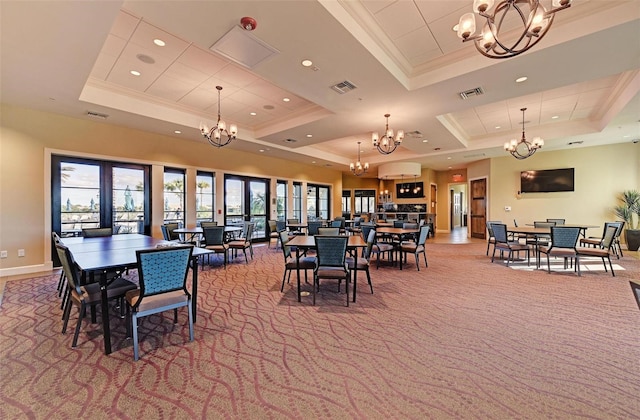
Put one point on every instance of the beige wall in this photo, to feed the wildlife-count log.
(601, 174)
(27, 138)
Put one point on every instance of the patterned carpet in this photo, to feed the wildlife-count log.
(463, 338)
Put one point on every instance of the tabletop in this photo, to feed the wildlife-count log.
(308, 241)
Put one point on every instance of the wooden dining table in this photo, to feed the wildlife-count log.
(307, 242)
(401, 234)
(97, 256)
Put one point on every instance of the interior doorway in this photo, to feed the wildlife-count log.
(458, 206)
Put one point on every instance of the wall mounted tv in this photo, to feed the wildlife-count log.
(549, 180)
(408, 190)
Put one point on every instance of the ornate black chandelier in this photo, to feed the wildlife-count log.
(218, 135)
(523, 149)
(357, 168)
(387, 143)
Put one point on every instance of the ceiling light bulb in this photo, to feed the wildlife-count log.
(159, 42)
(307, 63)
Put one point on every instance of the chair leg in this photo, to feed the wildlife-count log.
(175, 315)
(81, 312)
(65, 316)
(189, 310)
(134, 331)
(369, 280)
(284, 276)
(610, 266)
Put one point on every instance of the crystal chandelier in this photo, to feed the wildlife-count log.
(497, 42)
(523, 149)
(358, 169)
(387, 143)
(218, 135)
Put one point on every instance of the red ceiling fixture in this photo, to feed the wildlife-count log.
(248, 23)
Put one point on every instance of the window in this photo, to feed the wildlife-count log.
(297, 200)
(128, 199)
(346, 203)
(174, 196)
(364, 201)
(317, 202)
(88, 193)
(205, 196)
(281, 200)
(79, 194)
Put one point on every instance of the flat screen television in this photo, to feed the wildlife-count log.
(549, 180)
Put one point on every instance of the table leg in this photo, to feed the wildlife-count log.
(355, 280)
(106, 328)
(194, 288)
(298, 273)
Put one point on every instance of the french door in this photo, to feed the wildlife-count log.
(246, 199)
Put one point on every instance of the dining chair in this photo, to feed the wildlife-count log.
(244, 242)
(362, 263)
(168, 233)
(331, 254)
(415, 248)
(292, 263)
(563, 244)
(332, 231)
(214, 239)
(558, 222)
(294, 230)
(88, 295)
(381, 248)
(491, 240)
(162, 274)
(503, 244)
(273, 232)
(602, 251)
(355, 228)
(97, 232)
(313, 226)
(597, 240)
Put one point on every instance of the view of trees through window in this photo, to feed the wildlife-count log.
(174, 196)
(90, 193)
(205, 197)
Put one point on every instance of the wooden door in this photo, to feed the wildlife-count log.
(478, 208)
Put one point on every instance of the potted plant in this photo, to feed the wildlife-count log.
(629, 211)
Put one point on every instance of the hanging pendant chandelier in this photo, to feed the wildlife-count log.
(497, 42)
(523, 149)
(218, 135)
(358, 169)
(387, 143)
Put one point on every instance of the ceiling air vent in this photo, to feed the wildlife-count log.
(471, 92)
(415, 134)
(97, 115)
(343, 87)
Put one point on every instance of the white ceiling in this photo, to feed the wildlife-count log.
(73, 57)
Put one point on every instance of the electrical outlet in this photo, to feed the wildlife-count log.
(4, 254)
(21, 253)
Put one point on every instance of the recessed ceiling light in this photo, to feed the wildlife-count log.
(135, 72)
(555, 117)
(268, 107)
(448, 157)
(309, 135)
(313, 161)
(253, 113)
(286, 100)
(436, 149)
(178, 132)
(307, 63)
(425, 141)
(521, 79)
(261, 150)
(159, 42)
(497, 127)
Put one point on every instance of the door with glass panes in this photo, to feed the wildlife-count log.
(246, 200)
